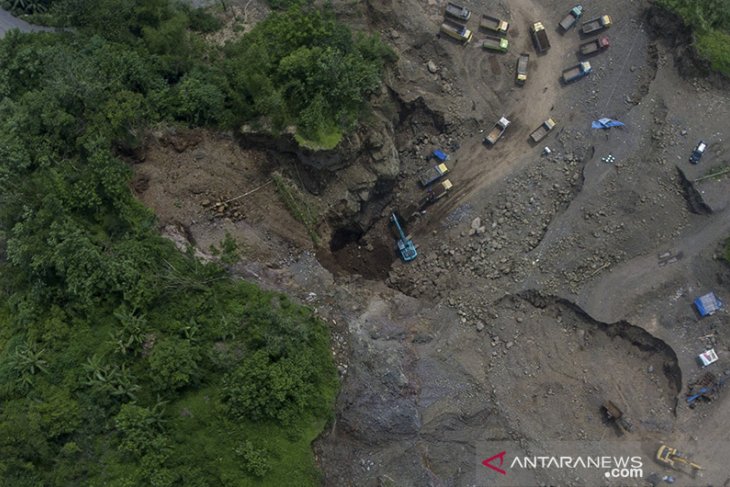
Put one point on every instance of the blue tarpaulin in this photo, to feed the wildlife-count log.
(440, 155)
(708, 304)
(606, 123)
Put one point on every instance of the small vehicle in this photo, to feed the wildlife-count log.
(542, 131)
(497, 131)
(495, 43)
(539, 36)
(594, 25)
(494, 24)
(594, 46)
(458, 12)
(456, 31)
(572, 18)
(577, 72)
(522, 63)
(697, 152)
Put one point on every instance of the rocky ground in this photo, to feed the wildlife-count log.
(538, 292)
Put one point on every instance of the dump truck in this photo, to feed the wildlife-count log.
(458, 12)
(539, 36)
(572, 18)
(594, 46)
(458, 32)
(614, 414)
(432, 174)
(435, 193)
(577, 72)
(542, 130)
(594, 25)
(522, 63)
(495, 43)
(497, 131)
(494, 24)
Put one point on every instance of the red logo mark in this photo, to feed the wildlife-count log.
(488, 463)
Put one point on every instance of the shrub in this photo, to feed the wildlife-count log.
(173, 363)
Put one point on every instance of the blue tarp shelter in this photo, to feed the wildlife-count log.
(440, 155)
(707, 304)
(606, 123)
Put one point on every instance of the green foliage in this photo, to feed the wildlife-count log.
(710, 19)
(298, 208)
(139, 427)
(261, 388)
(122, 361)
(198, 100)
(302, 68)
(203, 21)
(228, 252)
(254, 460)
(715, 46)
(174, 363)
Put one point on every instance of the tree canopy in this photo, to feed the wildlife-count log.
(123, 361)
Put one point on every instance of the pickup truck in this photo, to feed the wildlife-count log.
(494, 24)
(458, 32)
(458, 12)
(435, 193)
(539, 35)
(522, 63)
(577, 72)
(599, 23)
(433, 174)
(594, 46)
(542, 130)
(570, 20)
(495, 43)
(497, 131)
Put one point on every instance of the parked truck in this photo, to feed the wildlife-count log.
(594, 25)
(594, 46)
(435, 193)
(497, 131)
(539, 36)
(458, 12)
(577, 72)
(495, 43)
(542, 130)
(494, 24)
(458, 32)
(433, 174)
(522, 63)
(572, 18)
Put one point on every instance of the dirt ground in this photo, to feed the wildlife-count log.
(519, 325)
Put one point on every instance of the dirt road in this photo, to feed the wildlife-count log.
(8, 22)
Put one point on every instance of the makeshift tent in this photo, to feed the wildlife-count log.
(606, 123)
(707, 304)
(440, 155)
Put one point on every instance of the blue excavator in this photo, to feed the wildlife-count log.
(406, 247)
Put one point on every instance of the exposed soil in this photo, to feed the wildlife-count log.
(519, 325)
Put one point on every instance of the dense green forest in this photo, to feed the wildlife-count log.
(710, 20)
(124, 362)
